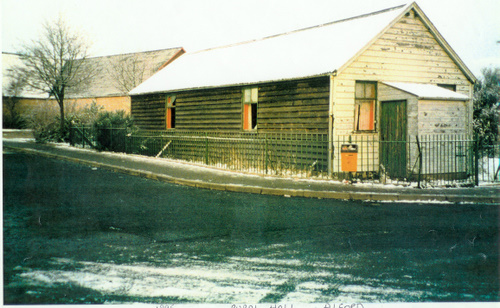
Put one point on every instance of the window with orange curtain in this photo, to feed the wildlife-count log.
(364, 107)
(170, 111)
(250, 100)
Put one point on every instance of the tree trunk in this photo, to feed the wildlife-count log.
(11, 106)
(60, 101)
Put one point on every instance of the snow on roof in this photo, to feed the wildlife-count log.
(314, 51)
(427, 91)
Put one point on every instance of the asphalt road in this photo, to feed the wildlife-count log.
(75, 234)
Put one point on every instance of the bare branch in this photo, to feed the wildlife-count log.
(56, 62)
(127, 73)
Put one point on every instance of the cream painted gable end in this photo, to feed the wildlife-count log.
(409, 50)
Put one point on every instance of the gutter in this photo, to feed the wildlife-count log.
(229, 85)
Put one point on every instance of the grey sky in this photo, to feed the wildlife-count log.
(472, 28)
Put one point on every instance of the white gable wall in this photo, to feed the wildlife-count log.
(407, 52)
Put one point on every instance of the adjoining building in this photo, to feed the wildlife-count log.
(383, 76)
(116, 76)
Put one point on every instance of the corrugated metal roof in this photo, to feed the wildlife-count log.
(314, 51)
(428, 91)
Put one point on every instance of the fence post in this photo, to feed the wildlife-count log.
(111, 137)
(265, 152)
(125, 141)
(419, 162)
(71, 143)
(206, 149)
(476, 163)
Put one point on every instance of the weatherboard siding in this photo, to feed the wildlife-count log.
(406, 52)
(208, 110)
(285, 106)
(438, 117)
(148, 111)
(294, 106)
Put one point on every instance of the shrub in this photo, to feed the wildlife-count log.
(486, 107)
(43, 121)
(15, 122)
(111, 129)
(87, 115)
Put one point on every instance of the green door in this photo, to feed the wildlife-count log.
(393, 138)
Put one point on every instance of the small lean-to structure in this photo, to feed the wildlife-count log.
(383, 75)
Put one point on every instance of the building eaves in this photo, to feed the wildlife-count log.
(427, 91)
(312, 51)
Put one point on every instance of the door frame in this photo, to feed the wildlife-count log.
(393, 148)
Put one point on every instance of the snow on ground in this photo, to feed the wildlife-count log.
(201, 281)
(193, 166)
(488, 170)
(21, 139)
(249, 280)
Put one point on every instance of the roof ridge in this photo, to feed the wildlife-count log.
(303, 29)
(132, 53)
(106, 56)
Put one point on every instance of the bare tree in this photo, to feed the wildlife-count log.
(127, 73)
(55, 63)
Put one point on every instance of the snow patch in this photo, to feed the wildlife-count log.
(22, 140)
(268, 261)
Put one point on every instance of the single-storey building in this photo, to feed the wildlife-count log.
(382, 76)
(115, 76)
(16, 99)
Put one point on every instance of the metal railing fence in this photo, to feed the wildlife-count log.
(488, 164)
(426, 160)
(284, 154)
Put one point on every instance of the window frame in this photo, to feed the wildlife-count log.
(448, 86)
(250, 103)
(360, 100)
(170, 106)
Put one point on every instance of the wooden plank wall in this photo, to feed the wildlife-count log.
(294, 106)
(407, 52)
(442, 117)
(148, 111)
(208, 110)
(288, 106)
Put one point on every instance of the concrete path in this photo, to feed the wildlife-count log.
(210, 178)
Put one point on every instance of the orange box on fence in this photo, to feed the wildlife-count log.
(349, 157)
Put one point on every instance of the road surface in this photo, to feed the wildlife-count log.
(76, 234)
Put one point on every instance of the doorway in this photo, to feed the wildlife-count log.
(393, 131)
